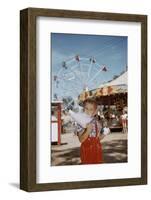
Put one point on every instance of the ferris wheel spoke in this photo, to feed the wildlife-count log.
(98, 67)
(84, 59)
(67, 89)
(94, 77)
(96, 64)
(80, 74)
(71, 59)
(78, 80)
(73, 67)
(68, 93)
(69, 104)
(74, 87)
(89, 70)
(76, 84)
(95, 84)
(60, 71)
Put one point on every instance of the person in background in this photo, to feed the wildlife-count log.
(124, 118)
(105, 129)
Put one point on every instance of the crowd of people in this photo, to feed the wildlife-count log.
(112, 117)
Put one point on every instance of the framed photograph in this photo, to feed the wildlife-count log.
(83, 99)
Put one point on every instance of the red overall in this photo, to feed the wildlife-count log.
(91, 150)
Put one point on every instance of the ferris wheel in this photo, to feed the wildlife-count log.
(77, 74)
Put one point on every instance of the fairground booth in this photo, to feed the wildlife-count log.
(56, 122)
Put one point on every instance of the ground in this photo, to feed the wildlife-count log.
(68, 153)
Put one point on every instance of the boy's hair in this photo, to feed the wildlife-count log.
(91, 101)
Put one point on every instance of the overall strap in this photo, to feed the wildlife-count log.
(96, 128)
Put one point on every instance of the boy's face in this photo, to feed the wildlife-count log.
(90, 109)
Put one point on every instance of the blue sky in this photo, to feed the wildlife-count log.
(110, 51)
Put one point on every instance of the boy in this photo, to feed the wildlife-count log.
(91, 149)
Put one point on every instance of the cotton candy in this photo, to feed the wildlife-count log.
(81, 118)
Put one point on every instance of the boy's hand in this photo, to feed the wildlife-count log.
(89, 128)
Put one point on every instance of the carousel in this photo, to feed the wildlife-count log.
(111, 93)
(112, 98)
(108, 95)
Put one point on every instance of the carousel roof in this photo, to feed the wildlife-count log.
(116, 86)
(120, 80)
